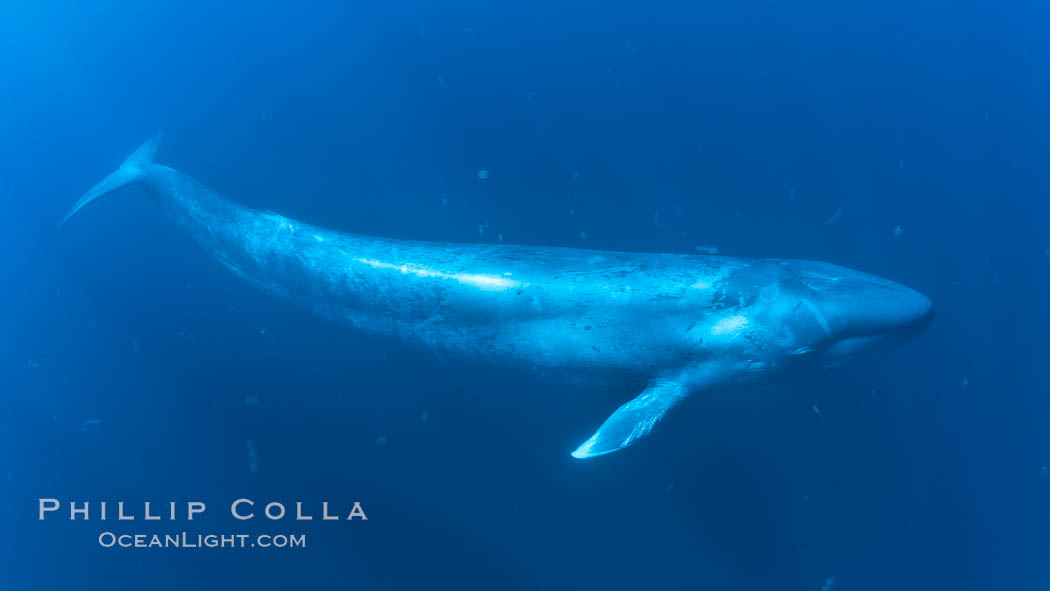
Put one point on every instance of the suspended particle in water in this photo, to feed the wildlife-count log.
(253, 459)
(500, 236)
(483, 174)
(262, 330)
(1043, 471)
(965, 381)
(252, 400)
(898, 231)
(828, 584)
(834, 217)
(583, 235)
(816, 410)
(381, 441)
(424, 417)
(89, 423)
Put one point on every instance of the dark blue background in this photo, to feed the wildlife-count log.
(661, 126)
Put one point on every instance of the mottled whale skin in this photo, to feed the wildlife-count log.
(671, 324)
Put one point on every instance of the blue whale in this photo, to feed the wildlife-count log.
(670, 325)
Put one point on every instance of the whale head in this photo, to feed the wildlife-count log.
(827, 314)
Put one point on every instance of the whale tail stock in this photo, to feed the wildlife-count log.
(130, 171)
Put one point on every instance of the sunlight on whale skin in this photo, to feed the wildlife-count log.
(669, 324)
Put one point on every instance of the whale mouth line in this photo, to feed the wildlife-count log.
(892, 333)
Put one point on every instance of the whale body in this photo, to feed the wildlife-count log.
(669, 324)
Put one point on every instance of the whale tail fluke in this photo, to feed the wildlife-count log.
(130, 171)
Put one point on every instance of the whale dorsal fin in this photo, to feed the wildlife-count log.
(634, 420)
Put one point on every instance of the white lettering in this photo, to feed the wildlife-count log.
(194, 508)
(324, 513)
(233, 509)
(357, 511)
(73, 511)
(275, 517)
(46, 505)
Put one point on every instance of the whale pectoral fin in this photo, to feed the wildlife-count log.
(632, 421)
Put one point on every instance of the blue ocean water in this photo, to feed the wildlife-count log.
(906, 140)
